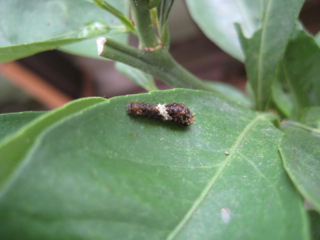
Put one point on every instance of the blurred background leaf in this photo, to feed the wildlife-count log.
(35, 26)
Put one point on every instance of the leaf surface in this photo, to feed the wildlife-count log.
(300, 152)
(263, 50)
(301, 71)
(25, 137)
(216, 18)
(102, 174)
(11, 122)
(29, 27)
(231, 93)
(139, 77)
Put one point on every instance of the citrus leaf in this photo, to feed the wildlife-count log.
(141, 78)
(261, 65)
(11, 122)
(232, 93)
(216, 18)
(88, 47)
(301, 156)
(34, 26)
(280, 97)
(25, 137)
(102, 174)
(300, 69)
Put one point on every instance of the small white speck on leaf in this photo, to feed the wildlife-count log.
(225, 215)
(227, 153)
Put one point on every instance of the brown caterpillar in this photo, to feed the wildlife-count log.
(175, 112)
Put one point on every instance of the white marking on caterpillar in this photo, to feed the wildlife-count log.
(163, 111)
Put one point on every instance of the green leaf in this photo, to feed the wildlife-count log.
(315, 224)
(142, 79)
(231, 93)
(311, 117)
(300, 68)
(12, 122)
(28, 27)
(280, 96)
(301, 156)
(88, 47)
(120, 15)
(263, 50)
(26, 136)
(102, 174)
(216, 18)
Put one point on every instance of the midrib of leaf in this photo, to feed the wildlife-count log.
(301, 126)
(207, 189)
(259, 97)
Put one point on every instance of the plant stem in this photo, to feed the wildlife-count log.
(125, 21)
(143, 24)
(158, 63)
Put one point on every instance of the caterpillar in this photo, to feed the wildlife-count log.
(175, 112)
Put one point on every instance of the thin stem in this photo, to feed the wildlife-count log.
(143, 24)
(158, 63)
(125, 21)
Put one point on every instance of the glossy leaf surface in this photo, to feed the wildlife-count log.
(102, 174)
(28, 27)
(301, 156)
(231, 93)
(26, 136)
(263, 50)
(11, 122)
(216, 18)
(280, 96)
(142, 79)
(301, 71)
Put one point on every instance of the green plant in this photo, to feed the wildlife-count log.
(90, 171)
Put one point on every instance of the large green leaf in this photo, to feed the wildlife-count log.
(14, 148)
(11, 122)
(216, 18)
(28, 27)
(263, 50)
(300, 152)
(300, 69)
(102, 174)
